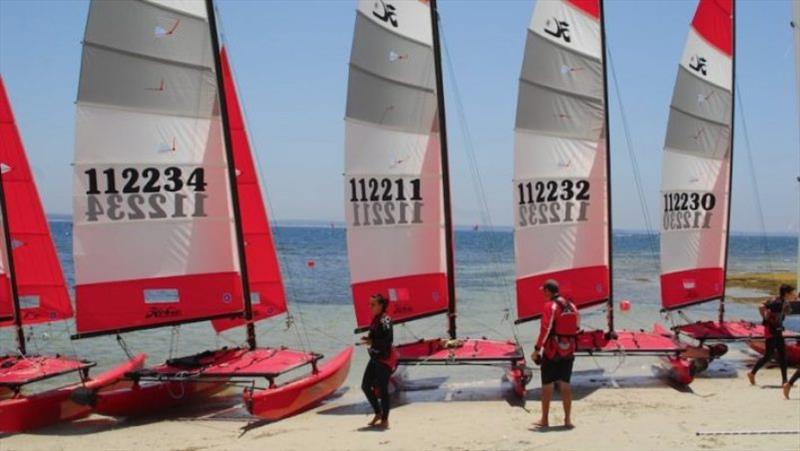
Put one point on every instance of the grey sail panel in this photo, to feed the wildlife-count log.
(555, 113)
(552, 65)
(701, 99)
(389, 104)
(126, 81)
(146, 29)
(697, 137)
(391, 56)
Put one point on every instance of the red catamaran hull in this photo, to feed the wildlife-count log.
(301, 394)
(469, 351)
(136, 399)
(18, 414)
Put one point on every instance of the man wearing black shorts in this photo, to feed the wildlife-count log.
(555, 350)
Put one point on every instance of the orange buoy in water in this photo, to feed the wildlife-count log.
(311, 263)
(624, 305)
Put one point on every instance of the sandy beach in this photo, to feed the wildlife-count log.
(624, 408)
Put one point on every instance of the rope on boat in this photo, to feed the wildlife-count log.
(751, 432)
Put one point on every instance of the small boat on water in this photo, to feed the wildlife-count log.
(33, 291)
(696, 179)
(170, 225)
(562, 174)
(397, 185)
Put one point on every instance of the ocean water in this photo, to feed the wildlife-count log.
(321, 312)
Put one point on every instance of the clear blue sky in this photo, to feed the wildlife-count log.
(290, 60)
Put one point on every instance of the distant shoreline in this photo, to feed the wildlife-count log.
(767, 283)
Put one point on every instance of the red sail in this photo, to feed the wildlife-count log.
(40, 283)
(263, 270)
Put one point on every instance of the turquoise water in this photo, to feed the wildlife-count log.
(322, 313)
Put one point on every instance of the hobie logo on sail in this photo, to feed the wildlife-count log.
(558, 29)
(162, 312)
(699, 64)
(385, 12)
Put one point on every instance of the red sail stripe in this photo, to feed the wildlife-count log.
(200, 296)
(683, 288)
(409, 297)
(584, 286)
(591, 7)
(713, 20)
(40, 282)
(263, 269)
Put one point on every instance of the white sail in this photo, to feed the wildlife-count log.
(696, 171)
(393, 180)
(560, 155)
(154, 238)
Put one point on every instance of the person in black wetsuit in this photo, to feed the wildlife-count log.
(375, 383)
(774, 312)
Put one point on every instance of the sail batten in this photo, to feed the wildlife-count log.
(154, 239)
(560, 172)
(696, 168)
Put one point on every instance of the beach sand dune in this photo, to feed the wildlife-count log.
(620, 412)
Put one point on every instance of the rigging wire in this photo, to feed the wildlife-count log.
(754, 180)
(301, 333)
(651, 234)
(477, 181)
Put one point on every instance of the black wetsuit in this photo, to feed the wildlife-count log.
(794, 377)
(773, 325)
(375, 383)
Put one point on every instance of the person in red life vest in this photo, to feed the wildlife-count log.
(774, 312)
(382, 361)
(555, 350)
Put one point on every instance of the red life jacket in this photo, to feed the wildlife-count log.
(561, 342)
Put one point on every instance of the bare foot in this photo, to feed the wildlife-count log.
(752, 378)
(374, 421)
(568, 424)
(787, 387)
(383, 424)
(541, 423)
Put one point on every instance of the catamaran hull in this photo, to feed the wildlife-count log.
(150, 398)
(519, 375)
(301, 394)
(792, 350)
(469, 352)
(679, 369)
(22, 413)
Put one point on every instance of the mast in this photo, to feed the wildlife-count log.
(11, 274)
(237, 217)
(721, 315)
(796, 32)
(448, 214)
(610, 302)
